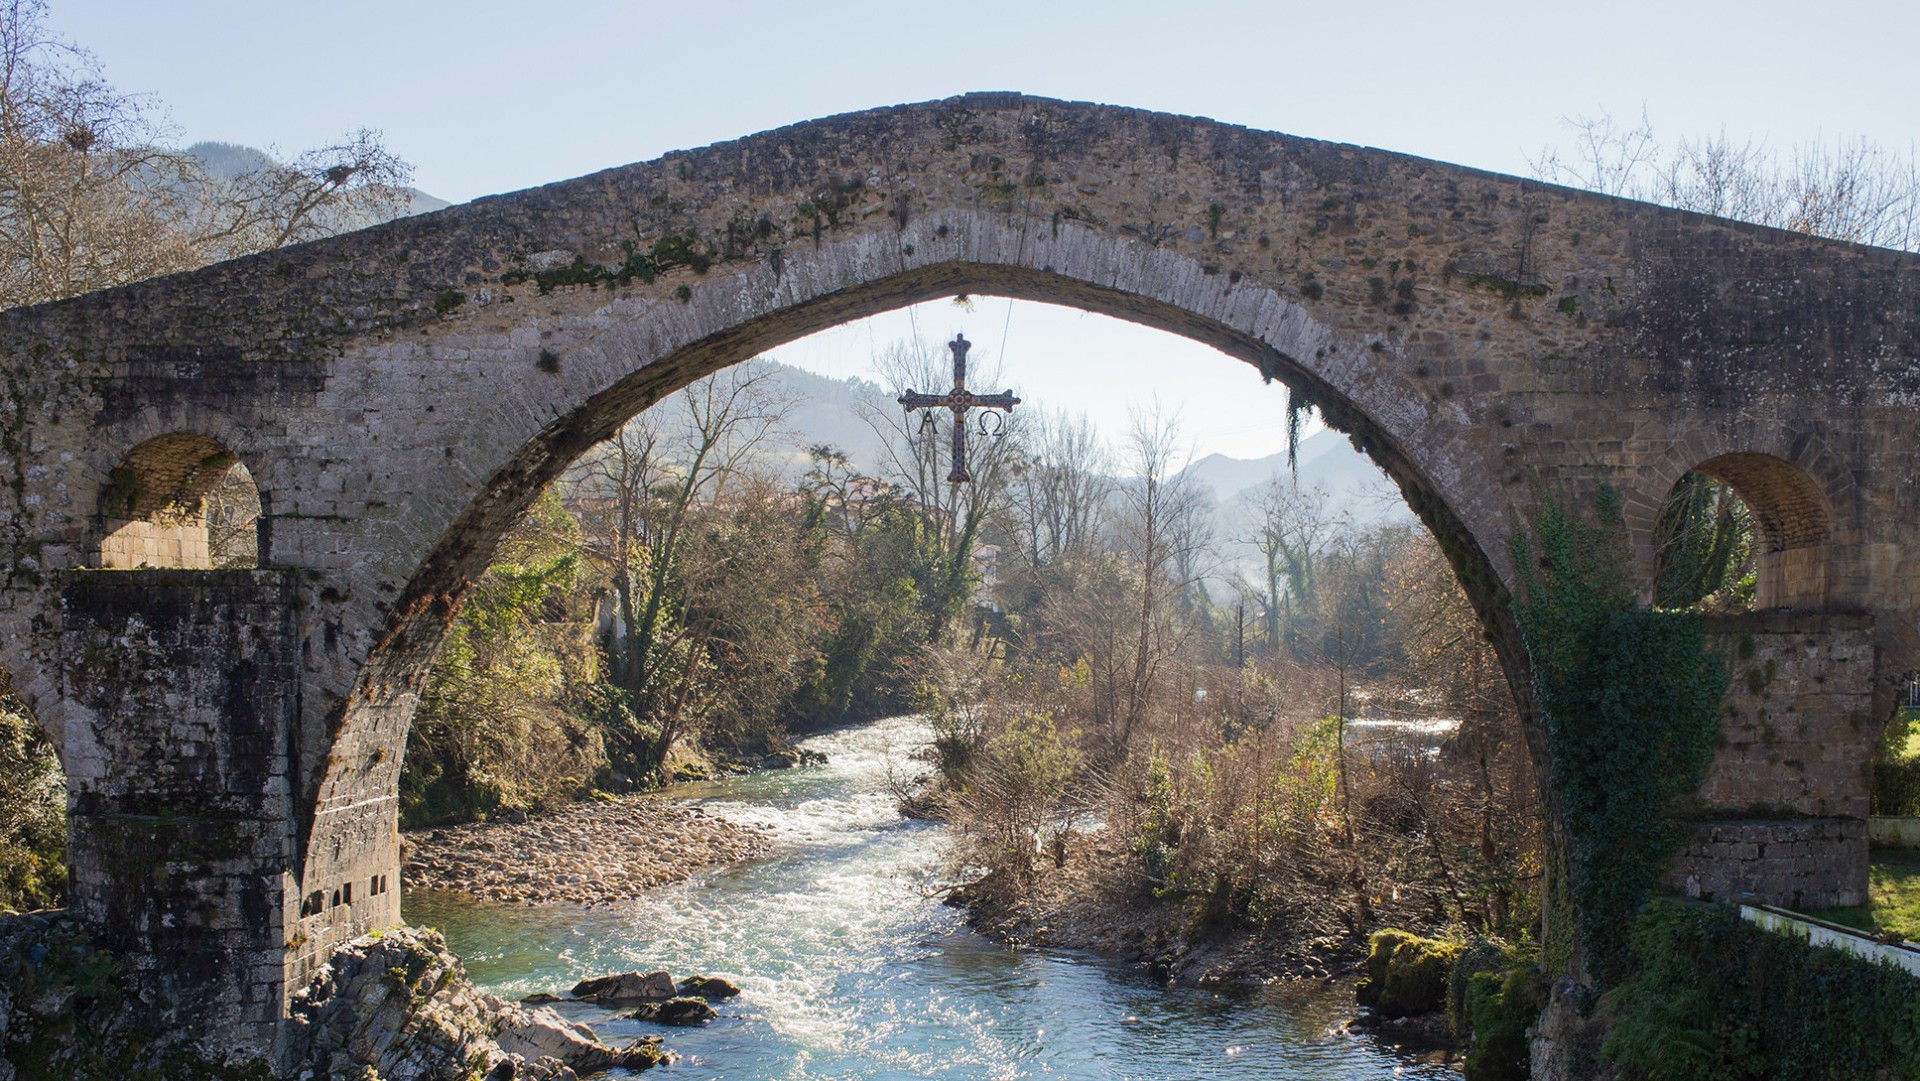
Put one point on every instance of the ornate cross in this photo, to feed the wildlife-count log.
(959, 399)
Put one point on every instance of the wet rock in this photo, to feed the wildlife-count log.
(541, 1034)
(540, 998)
(400, 1005)
(1421, 1030)
(709, 987)
(626, 988)
(686, 1010)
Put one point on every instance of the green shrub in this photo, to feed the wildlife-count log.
(1896, 769)
(1718, 999)
(1481, 956)
(1501, 1007)
(1380, 950)
(33, 805)
(1896, 787)
(1407, 974)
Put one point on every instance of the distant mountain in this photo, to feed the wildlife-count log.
(835, 411)
(826, 411)
(1326, 459)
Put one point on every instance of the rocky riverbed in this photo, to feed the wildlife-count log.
(591, 852)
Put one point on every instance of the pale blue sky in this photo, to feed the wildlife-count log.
(486, 96)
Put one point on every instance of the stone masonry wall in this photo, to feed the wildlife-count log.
(1783, 808)
(175, 542)
(183, 848)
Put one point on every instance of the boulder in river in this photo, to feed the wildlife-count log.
(626, 988)
(709, 987)
(686, 1010)
(543, 1034)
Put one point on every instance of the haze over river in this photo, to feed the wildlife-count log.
(850, 970)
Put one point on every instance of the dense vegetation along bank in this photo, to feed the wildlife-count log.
(1714, 998)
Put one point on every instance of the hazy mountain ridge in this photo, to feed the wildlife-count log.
(1326, 459)
(834, 411)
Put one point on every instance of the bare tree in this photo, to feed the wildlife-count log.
(1165, 528)
(1606, 157)
(1292, 529)
(233, 519)
(1059, 491)
(87, 199)
(610, 490)
(1851, 190)
(91, 196)
(639, 492)
(916, 462)
(325, 190)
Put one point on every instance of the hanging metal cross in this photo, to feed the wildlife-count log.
(959, 399)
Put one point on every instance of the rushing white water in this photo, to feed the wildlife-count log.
(850, 970)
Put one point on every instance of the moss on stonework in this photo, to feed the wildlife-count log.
(671, 252)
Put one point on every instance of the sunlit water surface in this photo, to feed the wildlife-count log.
(850, 970)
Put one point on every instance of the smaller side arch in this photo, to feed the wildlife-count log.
(1797, 499)
(182, 500)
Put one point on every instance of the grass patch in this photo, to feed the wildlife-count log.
(1894, 897)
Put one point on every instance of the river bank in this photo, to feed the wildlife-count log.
(1093, 903)
(591, 852)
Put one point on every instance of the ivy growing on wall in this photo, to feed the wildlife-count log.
(1630, 698)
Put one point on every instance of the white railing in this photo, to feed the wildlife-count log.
(1821, 933)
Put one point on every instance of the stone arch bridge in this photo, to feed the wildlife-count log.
(233, 737)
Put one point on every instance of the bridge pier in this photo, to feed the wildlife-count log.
(182, 829)
(1782, 813)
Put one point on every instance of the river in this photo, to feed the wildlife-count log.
(850, 971)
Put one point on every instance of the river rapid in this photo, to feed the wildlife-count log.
(850, 969)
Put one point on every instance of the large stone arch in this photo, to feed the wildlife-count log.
(653, 349)
(402, 391)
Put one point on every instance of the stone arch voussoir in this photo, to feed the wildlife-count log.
(1801, 498)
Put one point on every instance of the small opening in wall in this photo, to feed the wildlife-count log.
(180, 500)
(346, 893)
(314, 903)
(336, 898)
